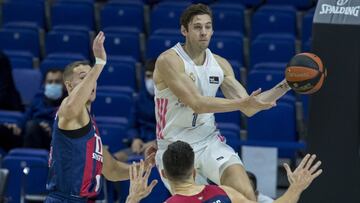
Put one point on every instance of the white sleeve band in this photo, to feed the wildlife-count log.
(99, 61)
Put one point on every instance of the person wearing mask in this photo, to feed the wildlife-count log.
(39, 117)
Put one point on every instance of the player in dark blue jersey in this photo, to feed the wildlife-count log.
(179, 169)
(78, 161)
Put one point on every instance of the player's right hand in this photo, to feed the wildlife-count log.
(304, 174)
(98, 46)
(253, 102)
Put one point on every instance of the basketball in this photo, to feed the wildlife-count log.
(305, 73)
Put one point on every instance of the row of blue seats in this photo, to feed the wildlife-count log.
(22, 45)
(165, 15)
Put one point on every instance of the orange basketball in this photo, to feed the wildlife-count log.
(305, 73)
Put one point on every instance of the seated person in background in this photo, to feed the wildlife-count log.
(39, 117)
(261, 198)
(145, 117)
(10, 100)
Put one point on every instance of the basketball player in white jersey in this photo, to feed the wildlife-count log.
(187, 77)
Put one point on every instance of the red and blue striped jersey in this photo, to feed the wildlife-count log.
(210, 194)
(76, 161)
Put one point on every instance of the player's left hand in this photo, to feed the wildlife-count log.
(304, 174)
(139, 176)
(98, 46)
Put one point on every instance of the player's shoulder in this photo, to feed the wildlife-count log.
(169, 55)
(169, 59)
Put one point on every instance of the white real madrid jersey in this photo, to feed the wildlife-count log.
(175, 120)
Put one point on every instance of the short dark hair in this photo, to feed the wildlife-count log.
(150, 65)
(69, 69)
(54, 70)
(178, 161)
(193, 10)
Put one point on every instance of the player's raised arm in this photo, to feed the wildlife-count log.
(170, 69)
(232, 89)
(74, 103)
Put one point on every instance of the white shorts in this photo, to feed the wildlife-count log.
(212, 157)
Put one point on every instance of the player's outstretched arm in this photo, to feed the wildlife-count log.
(170, 69)
(74, 103)
(232, 89)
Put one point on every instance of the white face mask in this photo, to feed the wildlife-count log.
(149, 83)
(53, 91)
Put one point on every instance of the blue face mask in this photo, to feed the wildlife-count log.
(53, 91)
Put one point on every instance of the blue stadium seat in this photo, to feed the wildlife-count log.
(228, 117)
(228, 17)
(30, 152)
(27, 88)
(11, 117)
(276, 127)
(232, 139)
(68, 43)
(123, 44)
(20, 42)
(78, 14)
(270, 66)
(17, 12)
(58, 61)
(268, 48)
(114, 105)
(157, 44)
(228, 47)
(306, 46)
(38, 174)
(112, 135)
(21, 61)
(264, 79)
(118, 74)
(120, 13)
(274, 19)
(167, 15)
(249, 3)
(125, 90)
(297, 3)
(307, 26)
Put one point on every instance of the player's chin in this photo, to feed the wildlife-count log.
(204, 44)
(92, 97)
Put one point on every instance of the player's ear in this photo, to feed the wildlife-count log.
(194, 173)
(68, 85)
(183, 31)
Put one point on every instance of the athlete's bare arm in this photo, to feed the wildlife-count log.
(232, 89)
(170, 73)
(74, 104)
(114, 170)
(299, 180)
(234, 195)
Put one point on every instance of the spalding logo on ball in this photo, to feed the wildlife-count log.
(305, 73)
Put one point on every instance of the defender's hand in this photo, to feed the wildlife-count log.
(304, 174)
(98, 46)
